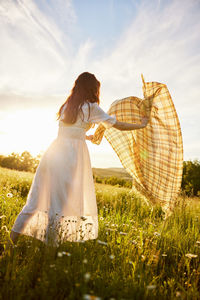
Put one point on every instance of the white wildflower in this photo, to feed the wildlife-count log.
(112, 256)
(151, 287)
(190, 255)
(60, 254)
(156, 233)
(9, 195)
(123, 233)
(102, 243)
(87, 276)
(85, 261)
(3, 216)
(91, 297)
(134, 242)
(64, 253)
(178, 294)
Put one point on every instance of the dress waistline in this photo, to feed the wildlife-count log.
(71, 132)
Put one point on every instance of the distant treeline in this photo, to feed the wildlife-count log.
(26, 162)
(191, 178)
(23, 162)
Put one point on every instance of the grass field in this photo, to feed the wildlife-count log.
(137, 255)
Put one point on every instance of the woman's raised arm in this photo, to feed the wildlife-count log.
(128, 126)
(125, 126)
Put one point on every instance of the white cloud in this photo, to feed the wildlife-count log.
(160, 44)
(33, 54)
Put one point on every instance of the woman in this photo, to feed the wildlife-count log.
(61, 204)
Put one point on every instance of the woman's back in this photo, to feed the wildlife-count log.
(91, 114)
(82, 118)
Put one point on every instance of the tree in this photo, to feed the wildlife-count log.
(191, 177)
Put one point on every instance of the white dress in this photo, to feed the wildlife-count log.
(61, 204)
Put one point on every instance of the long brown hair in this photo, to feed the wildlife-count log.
(86, 89)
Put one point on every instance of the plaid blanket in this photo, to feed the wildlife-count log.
(153, 155)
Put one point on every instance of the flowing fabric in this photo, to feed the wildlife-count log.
(61, 204)
(153, 155)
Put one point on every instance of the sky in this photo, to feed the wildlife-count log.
(45, 45)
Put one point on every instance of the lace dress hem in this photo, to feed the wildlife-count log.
(58, 228)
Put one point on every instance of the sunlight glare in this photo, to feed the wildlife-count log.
(32, 130)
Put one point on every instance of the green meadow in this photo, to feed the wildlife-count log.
(137, 255)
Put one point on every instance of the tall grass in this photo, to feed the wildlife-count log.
(137, 254)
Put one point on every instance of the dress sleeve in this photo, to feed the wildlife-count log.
(98, 115)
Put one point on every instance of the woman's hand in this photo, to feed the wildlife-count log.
(89, 137)
(144, 121)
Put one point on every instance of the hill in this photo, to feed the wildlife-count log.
(110, 172)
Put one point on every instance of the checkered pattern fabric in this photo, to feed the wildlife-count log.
(153, 155)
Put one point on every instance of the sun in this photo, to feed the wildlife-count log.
(32, 130)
